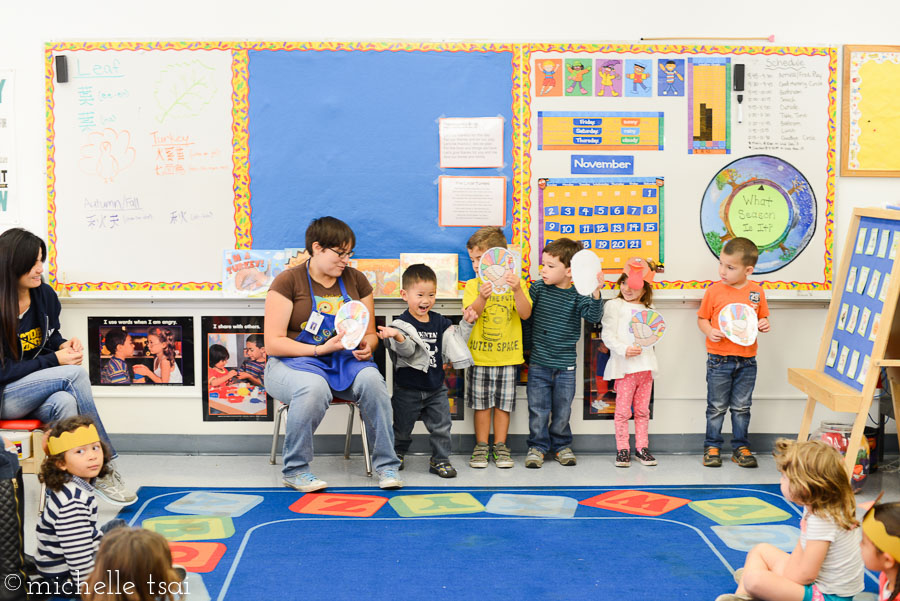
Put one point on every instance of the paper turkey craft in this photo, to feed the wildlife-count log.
(495, 263)
(352, 319)
(647, 326)
(739, 323)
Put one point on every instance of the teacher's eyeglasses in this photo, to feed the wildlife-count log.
(343, 255)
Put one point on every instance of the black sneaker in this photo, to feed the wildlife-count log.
(743, 457)
(644, 456)
(712, 457)
(442, 469)
(623, 458)
(402, 464)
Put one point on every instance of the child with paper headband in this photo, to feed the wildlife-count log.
(632, 361)
(67, 534)
(881, 546)
(826, 564)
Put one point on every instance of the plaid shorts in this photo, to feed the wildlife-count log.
(489, 387)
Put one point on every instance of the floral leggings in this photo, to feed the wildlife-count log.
(633, 389)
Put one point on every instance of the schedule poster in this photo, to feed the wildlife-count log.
(565, 130)
(616, 217)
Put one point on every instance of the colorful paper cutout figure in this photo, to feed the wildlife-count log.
(638, 75)
(351, 319)
(739, 323)
(647, 326)
(671, 80)
(548, 68)
(578, 71)
(495, 263)
(609, 78)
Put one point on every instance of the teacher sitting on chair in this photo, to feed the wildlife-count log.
(308, 364)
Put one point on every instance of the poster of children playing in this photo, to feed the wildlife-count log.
(234, 361)
(125, 351)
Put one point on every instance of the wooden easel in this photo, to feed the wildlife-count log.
(820, 384)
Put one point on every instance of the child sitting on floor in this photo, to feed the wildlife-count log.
(826, 563)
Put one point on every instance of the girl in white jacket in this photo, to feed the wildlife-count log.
(631, 364)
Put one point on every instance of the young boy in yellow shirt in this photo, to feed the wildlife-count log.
(497, 349)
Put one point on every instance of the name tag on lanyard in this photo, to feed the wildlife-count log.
(314, 323)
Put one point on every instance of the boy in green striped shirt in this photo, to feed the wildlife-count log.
(555, 325)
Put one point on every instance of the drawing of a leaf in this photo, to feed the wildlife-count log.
(184, 90)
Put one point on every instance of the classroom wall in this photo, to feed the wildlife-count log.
(797, 322)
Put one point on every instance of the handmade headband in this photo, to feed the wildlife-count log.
(878, 534)
(69, 440)
(638, 271)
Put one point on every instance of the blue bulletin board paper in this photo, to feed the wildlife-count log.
(354, 134)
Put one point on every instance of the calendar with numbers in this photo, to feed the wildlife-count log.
(616, 217)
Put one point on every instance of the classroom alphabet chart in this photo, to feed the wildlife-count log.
(616, 217)
(565, 130)
(862, 300)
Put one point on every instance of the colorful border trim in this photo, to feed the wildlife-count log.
(830, 52)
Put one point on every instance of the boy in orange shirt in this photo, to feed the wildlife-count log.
(730, 367)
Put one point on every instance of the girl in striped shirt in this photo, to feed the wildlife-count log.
(67, 534)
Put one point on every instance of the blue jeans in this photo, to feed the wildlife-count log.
(308, 396)
(729, 385)
(52, 394)
(550, 394)
(433, 408)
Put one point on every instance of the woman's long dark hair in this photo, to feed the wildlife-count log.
(18, 252)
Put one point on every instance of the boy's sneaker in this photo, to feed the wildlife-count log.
(479, 458)
(644, 456)
(389, 479)
(743, 457)
(111, 488)
(534, 459)
(623, 458)
(401, 458)
(442, 469)
(712, 457)
(501, 455)
(565, 456)
(304, 482)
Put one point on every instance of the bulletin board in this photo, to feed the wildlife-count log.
(870, 121)
(862, 302)
(762, 167)
(163, 154)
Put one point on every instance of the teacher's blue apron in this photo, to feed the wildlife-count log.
(339, 368)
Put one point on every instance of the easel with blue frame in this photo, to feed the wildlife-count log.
(865, 297)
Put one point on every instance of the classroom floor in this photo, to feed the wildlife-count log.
(592, 470)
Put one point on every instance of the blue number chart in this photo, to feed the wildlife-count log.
(862, 301)
(616, 217)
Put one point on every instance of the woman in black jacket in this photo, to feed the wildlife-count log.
(40, 373)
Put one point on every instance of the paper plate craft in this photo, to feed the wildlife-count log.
(352, 319)
(739, 324)
(585, 267)
(495, 263)
(647, 326)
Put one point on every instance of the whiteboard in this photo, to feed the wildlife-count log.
(788, 112)
(140, 168)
